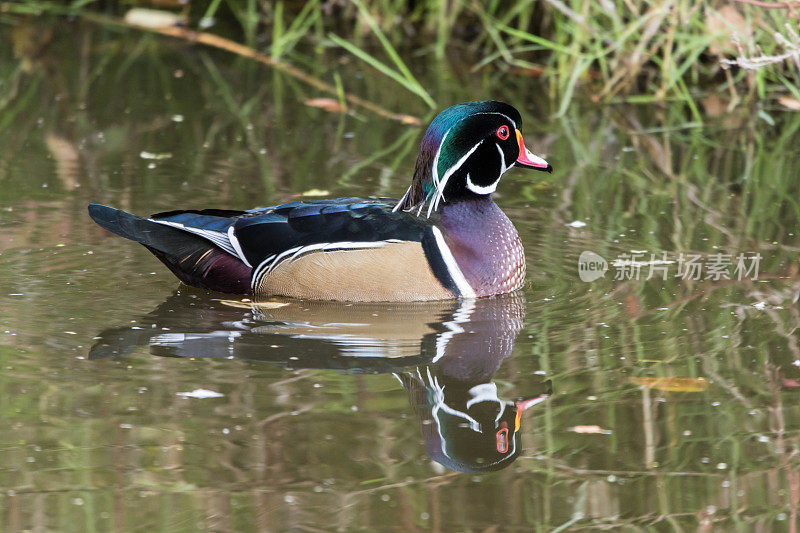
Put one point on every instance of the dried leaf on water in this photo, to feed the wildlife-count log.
(315, 192)
(326, 104)
(200, 394)
(672, 384)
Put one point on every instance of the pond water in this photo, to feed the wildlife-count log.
(132, 403)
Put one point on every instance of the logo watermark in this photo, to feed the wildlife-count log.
(591, 266)
(641, 265)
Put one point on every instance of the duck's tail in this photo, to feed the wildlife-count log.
(193, 259)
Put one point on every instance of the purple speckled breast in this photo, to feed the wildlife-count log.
(485, 244)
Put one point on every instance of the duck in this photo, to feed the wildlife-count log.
(444, 239)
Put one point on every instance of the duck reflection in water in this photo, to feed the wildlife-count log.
(444, 354)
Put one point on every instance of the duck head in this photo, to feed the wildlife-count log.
(464, 153)
(467, 427)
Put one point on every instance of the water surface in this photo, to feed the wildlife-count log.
(131, 403)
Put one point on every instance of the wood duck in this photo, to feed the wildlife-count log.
(444, 239)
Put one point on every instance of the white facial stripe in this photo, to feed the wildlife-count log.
(450, 171)
(497, 113)
(461, 282)
(435, 168)
(503, 166)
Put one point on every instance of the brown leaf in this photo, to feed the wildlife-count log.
(326, 104)
(410, 120)
(714, 105)
(632, 305)
(789, 102)
(527, 71)
(672, 384)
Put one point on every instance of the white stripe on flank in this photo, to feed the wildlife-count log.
(270, 263)
(220, 239)
(452, 267)
(450, 171)
(459, 317)
(259, 271)
(281, 256)
(236, 246)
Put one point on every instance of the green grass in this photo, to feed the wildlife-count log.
(614, 50)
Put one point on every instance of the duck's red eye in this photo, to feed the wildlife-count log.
(503, 133)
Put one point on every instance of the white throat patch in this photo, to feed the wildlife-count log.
(477, 189)
(489, 189)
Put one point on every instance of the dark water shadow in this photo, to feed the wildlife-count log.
(444, 354)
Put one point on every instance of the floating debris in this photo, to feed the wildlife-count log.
(155, 156)
(200, 394)
(672, 384)
(315, 192)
